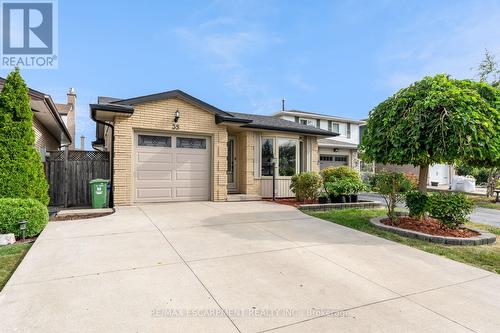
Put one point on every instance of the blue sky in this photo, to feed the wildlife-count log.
(333, 57)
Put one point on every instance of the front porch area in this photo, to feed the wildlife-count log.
(253, 157)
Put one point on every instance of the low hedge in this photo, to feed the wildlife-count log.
(451, 209)
(13, 210)
(306, 185)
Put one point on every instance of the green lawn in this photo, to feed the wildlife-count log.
(10, 257)
(483, 256)
(484, 202)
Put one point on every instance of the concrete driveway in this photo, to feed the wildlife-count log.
(229, 267)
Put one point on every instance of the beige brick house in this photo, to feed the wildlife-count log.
(174, 147)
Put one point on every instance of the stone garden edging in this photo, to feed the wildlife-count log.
(482, 239)
(360, 204)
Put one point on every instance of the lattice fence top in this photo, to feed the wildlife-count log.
(91, 155)
(57, 155)
(79, 155)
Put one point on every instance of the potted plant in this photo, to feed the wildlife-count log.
(323, 198)
(336, 190)
(356, 187)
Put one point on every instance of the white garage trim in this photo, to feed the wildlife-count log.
(171, 167)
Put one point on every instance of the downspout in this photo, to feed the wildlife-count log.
(112, 158)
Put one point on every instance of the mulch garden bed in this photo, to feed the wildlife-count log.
(56, 218)
(430, 226)
(292, 201)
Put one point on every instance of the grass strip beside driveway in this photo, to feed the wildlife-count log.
(482, 256)
(10, 257)
(484, 202)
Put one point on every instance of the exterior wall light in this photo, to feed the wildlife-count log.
(22, 227)
(177, 116)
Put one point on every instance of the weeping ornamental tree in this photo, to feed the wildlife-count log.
(435, 120)
(21, 170)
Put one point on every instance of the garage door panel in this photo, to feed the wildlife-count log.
(191, 175)
(190, 158)
(191, 192)
(192, 167)
(153, 183)
(154, 193)
(154, 166)
(154, 156)
(172, 174)
(153, 174)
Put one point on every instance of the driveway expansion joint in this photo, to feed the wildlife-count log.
(192, 271)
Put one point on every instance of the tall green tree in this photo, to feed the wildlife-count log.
(489, 71)
(21, 169)
(435, 120)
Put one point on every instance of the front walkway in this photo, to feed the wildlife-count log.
(229, 267)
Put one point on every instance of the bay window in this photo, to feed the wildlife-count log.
(286, 153)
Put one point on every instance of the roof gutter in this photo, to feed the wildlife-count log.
(224, 119)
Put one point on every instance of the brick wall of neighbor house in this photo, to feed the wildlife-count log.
(43, 139)
(158, 116)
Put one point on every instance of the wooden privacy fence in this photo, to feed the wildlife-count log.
(69, 172)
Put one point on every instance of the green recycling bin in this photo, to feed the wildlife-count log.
(99, 193)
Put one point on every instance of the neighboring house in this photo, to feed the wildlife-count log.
(51, 132)
(172, 146)
(440, 173)
(336, 150)
(68, 115)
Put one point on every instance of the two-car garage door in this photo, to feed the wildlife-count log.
(172, 168)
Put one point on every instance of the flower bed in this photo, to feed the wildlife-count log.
(480, 238)
(430, 226)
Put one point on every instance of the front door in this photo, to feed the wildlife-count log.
(231, 164)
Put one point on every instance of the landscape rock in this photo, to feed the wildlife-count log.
(6, 239)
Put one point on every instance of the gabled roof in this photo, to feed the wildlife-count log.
(109, 107)
(172, 94)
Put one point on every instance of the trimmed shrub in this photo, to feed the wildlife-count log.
(334, 173)
(306, 185)
(13, 210)
(21, 174)
(392, 186)
(416, 203)
(451, 209)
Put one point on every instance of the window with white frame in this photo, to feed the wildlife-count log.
(267, 154)
(286, 152)
(287, 160)
(308, 122)
(340, 128)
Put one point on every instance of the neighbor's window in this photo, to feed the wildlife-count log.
(192, 143)
(154, 141)
(308, 122)
(267, 155)
(287, 157)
